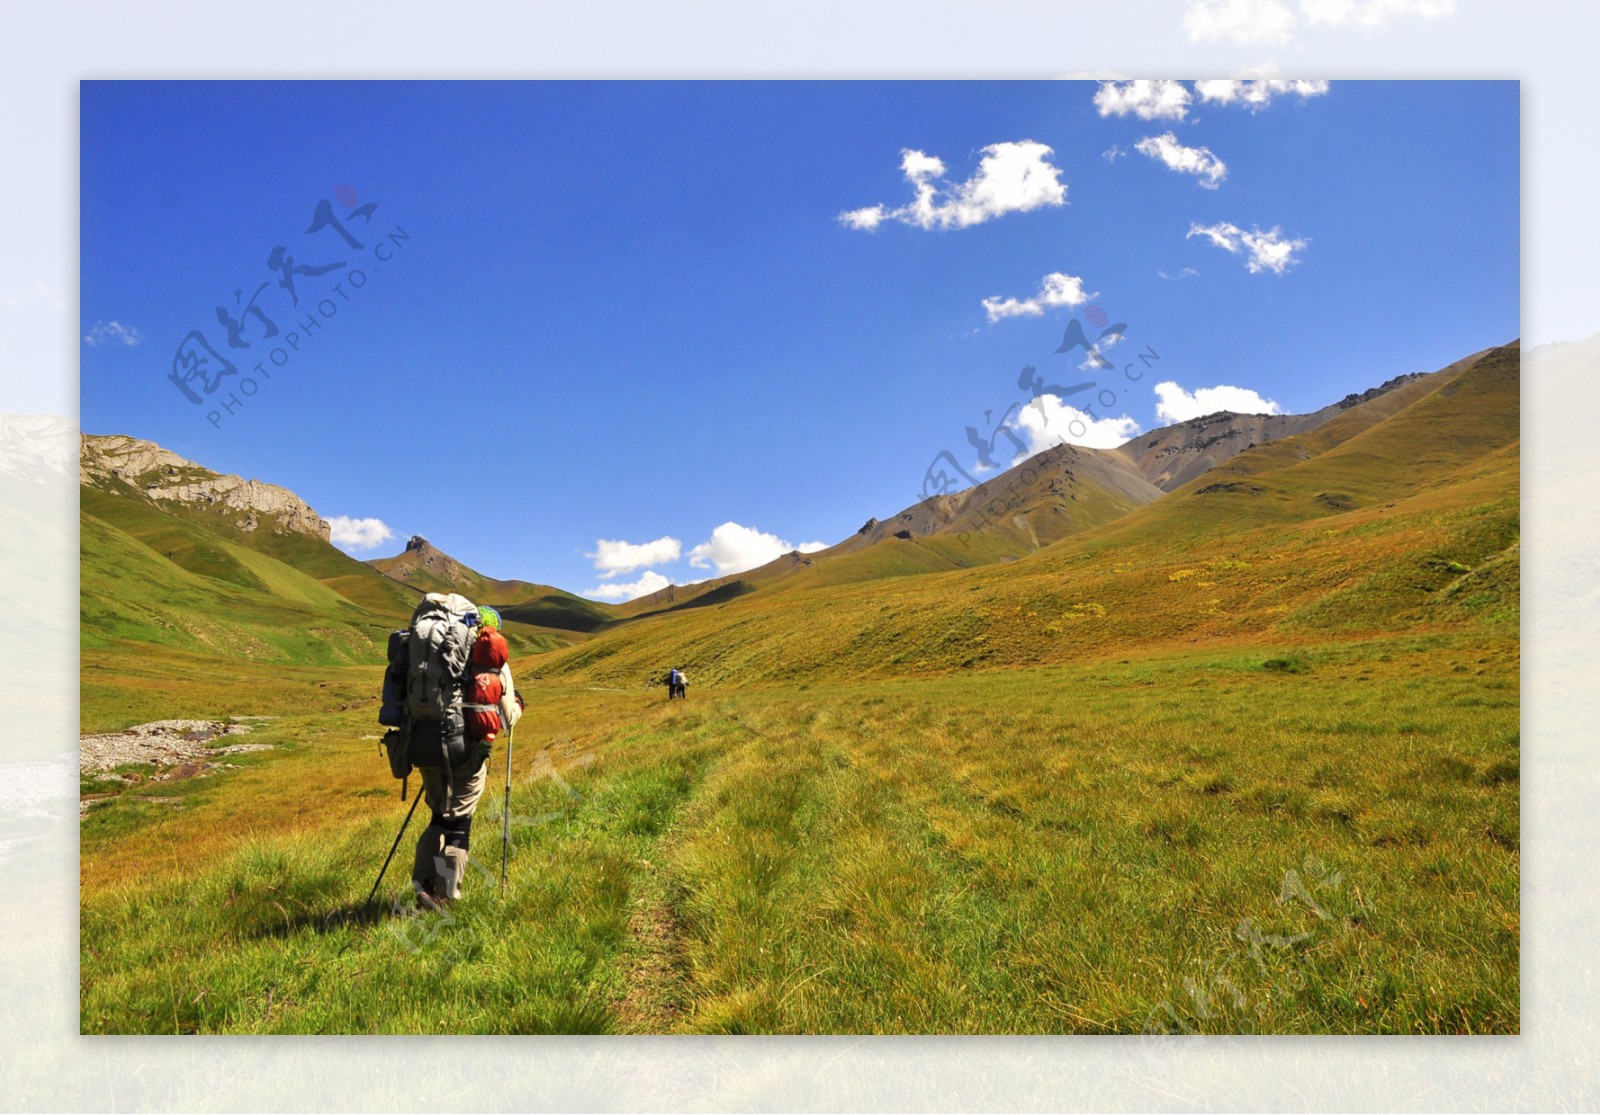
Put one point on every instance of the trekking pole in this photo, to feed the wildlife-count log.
(505, 813)
(392, 848)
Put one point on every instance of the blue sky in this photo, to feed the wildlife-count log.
(631, 312)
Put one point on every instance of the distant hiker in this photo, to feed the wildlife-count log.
(449, 694)
(672, 683)
(683, 684)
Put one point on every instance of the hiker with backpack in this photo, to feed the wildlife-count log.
(672, 683)
(683, 684)
(448, 693)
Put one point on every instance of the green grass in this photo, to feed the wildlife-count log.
(1072, 849)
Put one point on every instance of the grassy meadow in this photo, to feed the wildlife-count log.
(1243, 760)
(1002, 851)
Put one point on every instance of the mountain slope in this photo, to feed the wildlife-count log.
(1054, 494)
(1404, 517)
(425, 567)
(1174, 455)
(136, 475)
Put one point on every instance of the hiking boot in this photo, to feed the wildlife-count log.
(432, 903)
(424, 868)
(452, 867)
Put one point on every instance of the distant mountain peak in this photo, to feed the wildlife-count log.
(422, 564)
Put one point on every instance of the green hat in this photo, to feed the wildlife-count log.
(488, 616)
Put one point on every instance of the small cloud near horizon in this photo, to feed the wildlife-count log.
(1047, 422)
(358, 534)
(1174, 404)
(614, 557)
(734, 548)
(618, 592)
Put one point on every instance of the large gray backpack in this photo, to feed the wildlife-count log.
(437, 646)
(426, 706)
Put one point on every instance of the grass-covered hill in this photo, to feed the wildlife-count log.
(1060, 492)
(1173, 455)
(1401, 512)
(423, 566)
(191, 581)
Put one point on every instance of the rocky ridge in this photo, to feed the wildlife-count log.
(161, 475)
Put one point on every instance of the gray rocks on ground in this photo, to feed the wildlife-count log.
(164, 743)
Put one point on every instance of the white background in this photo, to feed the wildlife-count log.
(45, 49)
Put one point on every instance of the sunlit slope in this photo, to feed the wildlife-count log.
(423, 567)
(154, 576)
(1401, 517)
(1174, 455)
(1057, 493)
(1399, 444)
(179, 612)
(156, 591)
(206, 542)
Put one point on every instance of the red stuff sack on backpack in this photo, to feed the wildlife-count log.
(490, 651)
(481, 702)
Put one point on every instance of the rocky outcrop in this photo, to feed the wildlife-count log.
(161, 475)
(1354, 398)
(421, 556)
(1174, 455)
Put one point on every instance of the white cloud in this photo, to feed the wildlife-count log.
(1011, 178)
(359, 534)
(1047, 422)
(1174, 404)
(1371, 13)
(1268, 251)
(1198, 161)
(1113, 153)
(111, 332)
(1055, 289)
(617, 591)
(733, 549)
(1186, 273)
(612, 558)
(1246, 22)
(1148, 100)
(1256, 94)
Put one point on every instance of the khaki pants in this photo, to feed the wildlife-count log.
(438, 866)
